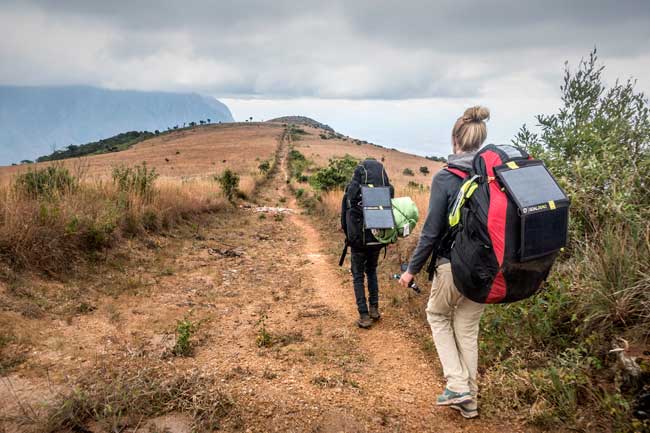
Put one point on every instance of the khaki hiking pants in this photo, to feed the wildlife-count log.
(454, 321)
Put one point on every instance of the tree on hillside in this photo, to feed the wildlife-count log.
(229, 182)
(208, 120)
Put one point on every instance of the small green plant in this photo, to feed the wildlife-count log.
(138, 179)
(427, 345)
(46, 182)
(408, 172)
(264, 338)
(424, 169)
(184, 330)
(414, 185)
(229, 182)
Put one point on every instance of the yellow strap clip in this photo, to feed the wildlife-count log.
(551, 204)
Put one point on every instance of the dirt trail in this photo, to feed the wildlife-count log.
(266, 279)
(399, 375)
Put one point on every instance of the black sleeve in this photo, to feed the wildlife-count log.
(344, 208)
(435, 224)
(390, 186)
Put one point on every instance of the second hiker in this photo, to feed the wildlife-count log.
(365, 248)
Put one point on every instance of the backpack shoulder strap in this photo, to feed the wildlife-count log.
(458, 172)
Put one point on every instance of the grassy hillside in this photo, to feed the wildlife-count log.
(116, 143)
(191, 152)
(54, 214)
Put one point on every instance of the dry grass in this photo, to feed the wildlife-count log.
(119, 399)
(50, 234)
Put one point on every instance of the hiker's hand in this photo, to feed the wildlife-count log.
(406, 279)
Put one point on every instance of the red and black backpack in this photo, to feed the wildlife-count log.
(508, 223)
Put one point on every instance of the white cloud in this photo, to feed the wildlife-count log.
(397, 73)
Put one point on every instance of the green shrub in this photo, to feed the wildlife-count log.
(130, 224)
(46, 182)
(297, 165)
(138, 179)
(336, 175)
(424, 169)
(265, 167)
(408, 172)
(150, 220)
(96, 235)
(296, 132)
(549, 354)
(229, 182)
(414, 185)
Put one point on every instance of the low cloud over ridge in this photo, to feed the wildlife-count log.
(287, 49)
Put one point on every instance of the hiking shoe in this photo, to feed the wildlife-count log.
(374, 312)
(364, 321)
(468, 410)
(449, 397)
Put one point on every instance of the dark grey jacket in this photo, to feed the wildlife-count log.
(444, 189)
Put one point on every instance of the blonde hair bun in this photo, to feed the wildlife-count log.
(470, 131)
(476, 114)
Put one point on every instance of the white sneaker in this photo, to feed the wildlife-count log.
(468, 410)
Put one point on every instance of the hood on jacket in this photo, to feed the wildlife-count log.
(461, 160)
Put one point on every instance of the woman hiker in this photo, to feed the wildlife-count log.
(454, 319)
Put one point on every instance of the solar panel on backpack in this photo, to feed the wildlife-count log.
(543, 207)
(377, 208)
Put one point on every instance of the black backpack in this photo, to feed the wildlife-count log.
(368, 173)
(508, 223)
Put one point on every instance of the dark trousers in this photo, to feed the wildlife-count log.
(364, 262)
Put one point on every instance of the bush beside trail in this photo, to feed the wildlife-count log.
(558, 343)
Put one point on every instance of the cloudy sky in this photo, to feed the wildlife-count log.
(395, 72)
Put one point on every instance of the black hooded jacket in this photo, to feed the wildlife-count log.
(444, 189)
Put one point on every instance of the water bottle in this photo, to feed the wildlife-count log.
(412, 284)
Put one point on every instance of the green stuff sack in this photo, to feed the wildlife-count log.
(406, 217)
